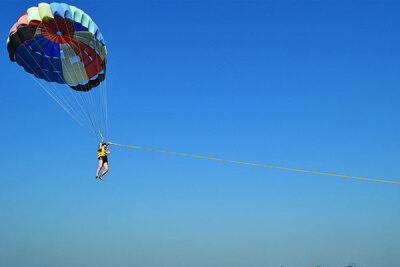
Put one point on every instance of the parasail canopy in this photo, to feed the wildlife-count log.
(60, 45)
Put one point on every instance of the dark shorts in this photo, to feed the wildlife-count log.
(104, 158)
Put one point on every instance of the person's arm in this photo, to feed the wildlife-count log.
(108, 151)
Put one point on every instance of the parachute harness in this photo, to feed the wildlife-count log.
(255, 164)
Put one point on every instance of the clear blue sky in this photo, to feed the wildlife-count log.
(302, 84)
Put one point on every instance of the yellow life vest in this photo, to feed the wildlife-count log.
(102, 153)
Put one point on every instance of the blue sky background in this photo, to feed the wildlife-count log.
(311, 85)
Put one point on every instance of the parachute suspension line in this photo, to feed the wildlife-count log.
(103, 108)
(84, 96)
(60, 92)
(259, 165)
(51, 94)
(61, 105)
(67, 104)
(106, 109)
(58, 97)
(103, 104)
(102, 138)
(90, 98)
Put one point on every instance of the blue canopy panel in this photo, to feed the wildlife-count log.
(79, 27)
(41, 58)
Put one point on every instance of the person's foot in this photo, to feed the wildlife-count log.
(97, 177)
(101, 178)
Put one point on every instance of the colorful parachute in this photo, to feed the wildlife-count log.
(60, 44)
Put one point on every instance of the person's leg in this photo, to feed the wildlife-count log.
(105, 170)
(100, 165)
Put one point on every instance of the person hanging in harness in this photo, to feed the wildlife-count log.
(102, 153)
